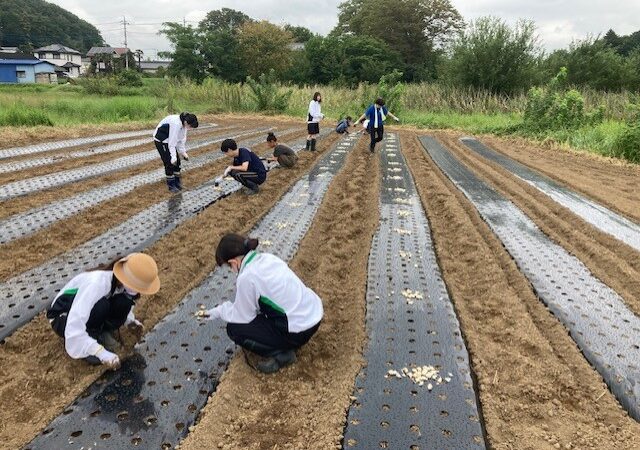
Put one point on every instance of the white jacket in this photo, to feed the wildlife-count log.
(266, 279)
(91, 287)
(177, 135)
(314, 112)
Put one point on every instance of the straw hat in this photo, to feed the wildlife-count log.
(138, 272)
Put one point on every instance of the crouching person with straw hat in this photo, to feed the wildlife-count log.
(95, 304)
(273, 314)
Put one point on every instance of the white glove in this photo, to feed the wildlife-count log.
(174, 160)
(226, 171)
(185, 156)
(109, 359)
(396, 119)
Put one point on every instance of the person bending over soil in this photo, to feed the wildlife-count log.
(247, 168)
(274, 313)
(343, 125)
(314, 116)
(170, 138)
(376, 115)
(95, 304)
(285, 156)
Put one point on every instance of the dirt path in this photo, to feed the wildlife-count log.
(33, 357)
(31, 251)
(612, 182)
(304, 406)
(610, 260)
(536, 389)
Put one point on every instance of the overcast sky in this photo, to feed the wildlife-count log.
(559, 22)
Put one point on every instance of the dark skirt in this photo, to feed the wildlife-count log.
(313, 128)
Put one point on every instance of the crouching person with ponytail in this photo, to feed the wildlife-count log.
(95, 304)
(274, 313)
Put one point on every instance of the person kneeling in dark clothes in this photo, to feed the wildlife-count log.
(95, 304)
(274, 313)
(247, 168)
(285, 156)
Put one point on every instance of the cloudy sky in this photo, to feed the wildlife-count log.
(559, 22)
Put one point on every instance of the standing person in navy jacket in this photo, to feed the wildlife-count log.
(314, 117)
(274, 313)
(247, 168)
(376, 115)
(170, 138)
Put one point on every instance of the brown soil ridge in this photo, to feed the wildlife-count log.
(74, 163)
(304, 406)
(610, 260)
(611, 182)
(536, 389)
(38, 380)
(33, 250)
(24, 203)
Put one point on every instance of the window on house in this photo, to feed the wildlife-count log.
(55, 56)
(21, 74)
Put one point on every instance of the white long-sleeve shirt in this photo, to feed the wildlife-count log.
(314, 112)
(90, 287)
(266, 279)
(177, 135)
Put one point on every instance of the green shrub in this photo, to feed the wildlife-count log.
(129, 78)
(266, 93)
(627, 144)
(23, 116)
(556, 107)
(391, 90)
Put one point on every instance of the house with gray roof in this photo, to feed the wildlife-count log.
(68, 60)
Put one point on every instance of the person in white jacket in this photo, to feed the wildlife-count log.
(170, 137)
(274, 313)
(97, 303)
(313, 121)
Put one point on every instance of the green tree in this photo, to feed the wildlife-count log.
(264, 46)
(220, 50)
(413, 28)
(187, 60)
(591, 62)
(300, 34)
(224, 19)
(491, 55)
(31, 24)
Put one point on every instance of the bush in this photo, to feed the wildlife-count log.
(21, 115)
(627, 144)
(391, 90)
(129, 78)
(266, 93)
(555, 107)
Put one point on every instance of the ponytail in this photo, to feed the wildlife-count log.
(233, 245)
(271, 137)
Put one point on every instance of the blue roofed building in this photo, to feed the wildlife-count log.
(21, 68)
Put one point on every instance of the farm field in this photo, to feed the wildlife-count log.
(509, 271)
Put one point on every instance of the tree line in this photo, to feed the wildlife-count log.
(426, 40)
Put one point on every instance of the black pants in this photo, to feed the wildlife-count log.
(264, 337)
(248, 179)
(170, 170)
(376, 135)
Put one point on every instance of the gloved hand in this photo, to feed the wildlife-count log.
(109, 359)
(174, 160)
(185, 156)
(227, 171)
(396, 119)
(136, 326)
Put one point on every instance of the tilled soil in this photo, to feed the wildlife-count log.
(536, 389)
(39, 380)
(304, 406)
(612, 182)
(42, 246)
(611, 261)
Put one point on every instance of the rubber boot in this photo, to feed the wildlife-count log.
(178, 182)
(308, 145)
(171, 184)
(253, 188)
(285, 358)
(313, 145)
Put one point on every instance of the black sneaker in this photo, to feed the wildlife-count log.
(260, 363)
(285, 358)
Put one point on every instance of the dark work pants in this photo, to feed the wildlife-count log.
(170, 170)
(264, 337)
(376, 135)
(247, 179)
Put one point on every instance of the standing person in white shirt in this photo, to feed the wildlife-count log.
(274, 313)
(95, 304)
(313, 121)
(170, 137)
